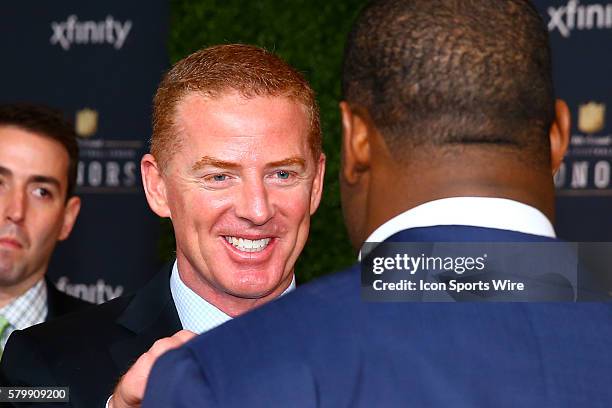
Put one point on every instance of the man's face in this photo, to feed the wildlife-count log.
(240, 192)
(33, 206)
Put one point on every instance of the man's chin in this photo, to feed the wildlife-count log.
(250, 289)
(10, 275)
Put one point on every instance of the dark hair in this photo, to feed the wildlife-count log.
(453, 72)
(212, 71)
(49, 123)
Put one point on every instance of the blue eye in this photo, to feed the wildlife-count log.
(282, 174)
(219, 177)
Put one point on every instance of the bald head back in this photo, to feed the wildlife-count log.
(448, 73)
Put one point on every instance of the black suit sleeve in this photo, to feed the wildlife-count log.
(22, 366)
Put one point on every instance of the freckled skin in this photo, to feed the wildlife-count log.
(226, 180)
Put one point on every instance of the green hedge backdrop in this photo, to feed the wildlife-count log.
(310, 35)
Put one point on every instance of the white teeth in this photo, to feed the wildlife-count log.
(248, 245)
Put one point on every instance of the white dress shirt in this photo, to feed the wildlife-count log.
(486, 212)
(195, 313)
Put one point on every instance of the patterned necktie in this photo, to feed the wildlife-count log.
(4, 324)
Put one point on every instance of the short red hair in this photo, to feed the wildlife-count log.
(213, 71)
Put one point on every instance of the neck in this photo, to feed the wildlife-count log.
(471, 177)
(9, 293)
(232, 305)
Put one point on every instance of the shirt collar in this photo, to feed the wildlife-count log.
(26, 310)
(486, 212)
(195, 313)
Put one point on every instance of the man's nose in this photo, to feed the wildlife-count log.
(15, 205)
(254, 203)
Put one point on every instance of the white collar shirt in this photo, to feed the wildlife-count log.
(485, 212)
(195, 313)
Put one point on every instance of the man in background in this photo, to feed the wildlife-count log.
(38, 208)
(450, 133)
(236, 164)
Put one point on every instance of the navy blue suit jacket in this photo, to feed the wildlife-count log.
(321, 346)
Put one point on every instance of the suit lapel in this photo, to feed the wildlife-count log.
(59, 303)
(53, 303)
(151, 315)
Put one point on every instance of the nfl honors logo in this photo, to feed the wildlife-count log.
(105, 166)
(591, 117)
(86, 123)
(587, 168)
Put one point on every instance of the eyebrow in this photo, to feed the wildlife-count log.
(35, 178)
(47, 180)
(292, 161)
(211, 161)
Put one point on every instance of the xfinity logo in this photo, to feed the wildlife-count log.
(73, 31)
(98, 292)
(576, 16)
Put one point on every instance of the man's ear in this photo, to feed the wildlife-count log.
(355, 142)
(559, 134)
(317, 185)
(154, 185)
(71, 211)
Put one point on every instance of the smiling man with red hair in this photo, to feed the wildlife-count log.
(236, 164)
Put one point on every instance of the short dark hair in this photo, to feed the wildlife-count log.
(453, 72)
(47, 122)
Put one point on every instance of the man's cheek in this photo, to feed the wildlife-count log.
(46, 237)
(296, 202)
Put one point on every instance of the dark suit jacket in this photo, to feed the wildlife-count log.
(322, 346)
(90, 350)
(59, 303)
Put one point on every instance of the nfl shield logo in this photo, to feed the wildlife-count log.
(86, 123)
(591, 117)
